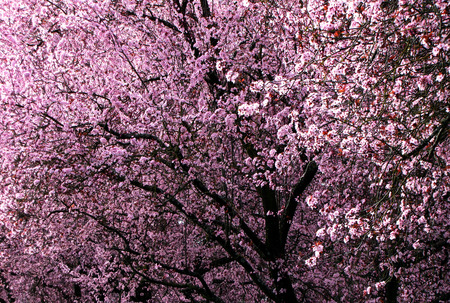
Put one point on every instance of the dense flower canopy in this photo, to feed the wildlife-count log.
(224, 151)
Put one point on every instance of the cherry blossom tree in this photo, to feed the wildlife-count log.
(224, 151)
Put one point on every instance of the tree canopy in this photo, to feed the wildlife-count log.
(224, 151)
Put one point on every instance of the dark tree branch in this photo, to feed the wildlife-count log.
(210, 232)
(291, 207)
(260, 247)
(47, 116)
(131, 135)
(162, 21)
(199, 290)
(270, 205)
(153, 79)
(391, 290)
(102, 222)
(214, 264)
(436, 133)
(181, 7)
(7, 289)
(57, 6)
(205, 8)
(134, 69)
(207, 291)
